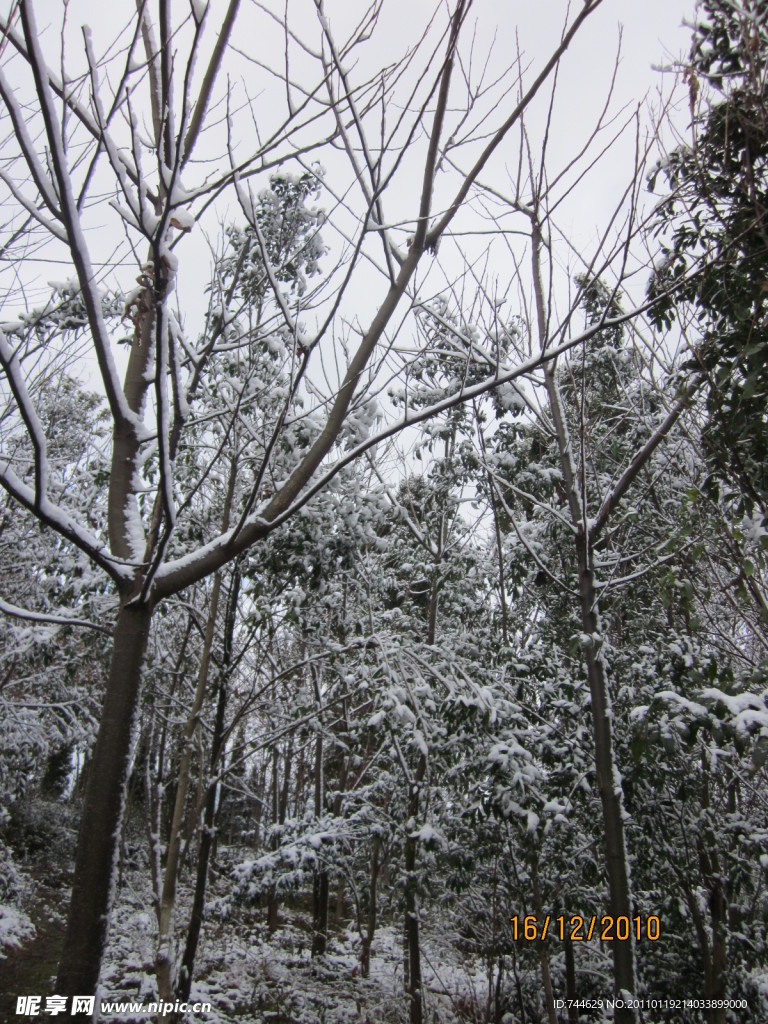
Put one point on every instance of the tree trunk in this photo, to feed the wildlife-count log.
(570, 983)
(609, 786)
(203, 857)
(370, 930)
(415, 996)
(164, 965)
(272, 900)
(608, 783)
(320, 913)
(518, 987)
(414, 989)
(285, 792)
(715, 981)
(546, 974)
(258, 810)
(92, 889)
(498, 1010)
(208, 832)
(320, 886)
(338, 908)
(716, 958)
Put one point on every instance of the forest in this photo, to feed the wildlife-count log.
(383, 539)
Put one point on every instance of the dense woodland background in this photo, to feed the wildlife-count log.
(448, 619)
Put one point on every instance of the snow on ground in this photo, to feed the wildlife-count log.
(249, 975)
(15, 929)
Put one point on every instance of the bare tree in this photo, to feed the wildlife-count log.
(111, 158)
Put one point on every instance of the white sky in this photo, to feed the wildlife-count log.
(653, 34)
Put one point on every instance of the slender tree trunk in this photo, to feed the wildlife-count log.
(406, 962)
(414, 988)
(411, 941)
(497, 531)
(338, 910)
(518, 988)
(416, 1015)
(285, 792)
(714, 954)
(570, 983)
(164, 956)
(86, 932)
(370, 930)
(320, 913)
(258, 812)
(497, 1005)
(280, 806)
(272, 900)
(715, 982)
(208, 831)
(338, 907)
(716, 957)
(203, 857)
(298, 788)
(320, 885)
(609, 786)
(546, 975)
(611, 797)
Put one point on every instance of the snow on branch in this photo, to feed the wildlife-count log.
(62, 522)
(45, 618)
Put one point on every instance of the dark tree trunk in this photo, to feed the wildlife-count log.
(715, 980)
(320, 886)
(518, 988)
(208, 832)
(258, 810)
(272, 900)
(498, 1009)
(283, 806)
(338, 906)
(412, 942)
(546, 975)
(416, 1015)
(716, 956)
(570, 983)
(370, 931)
(97, 848)
(203, 857)
(338, 909)
(320, 913)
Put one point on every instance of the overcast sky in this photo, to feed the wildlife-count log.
(652, 35)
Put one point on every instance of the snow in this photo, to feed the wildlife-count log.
(63, 618)
(170, 258)
(698, 710)
(427, 834)
(505, 727)
(61, 520)
(746, 721)
(737, 704)
(130, 218)
(134, 530)
(183, 219)
(15, 929)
